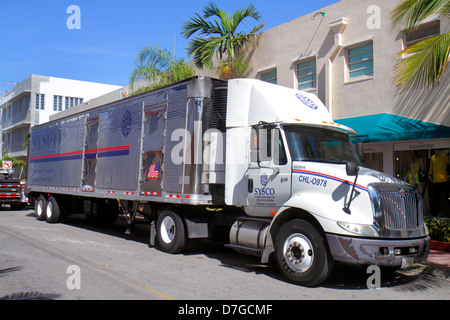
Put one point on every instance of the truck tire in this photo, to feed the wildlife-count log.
(171, 232)
(301, 253)
(53, 213)
(40, 206)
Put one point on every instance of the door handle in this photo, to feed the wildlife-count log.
(250, 185)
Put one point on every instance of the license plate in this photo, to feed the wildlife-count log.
(407, 262)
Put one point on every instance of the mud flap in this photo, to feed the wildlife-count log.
(152, 233)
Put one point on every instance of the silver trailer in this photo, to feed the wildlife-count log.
(140, 150)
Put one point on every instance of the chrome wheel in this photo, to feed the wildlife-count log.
(171, 232)
(167, 229)
(298, 252)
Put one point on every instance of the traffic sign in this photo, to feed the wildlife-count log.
(7, 164)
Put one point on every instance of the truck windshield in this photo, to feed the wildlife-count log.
(320, 145)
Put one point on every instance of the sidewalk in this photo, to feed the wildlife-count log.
(438, 259)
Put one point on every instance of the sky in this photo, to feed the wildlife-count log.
(41, 37)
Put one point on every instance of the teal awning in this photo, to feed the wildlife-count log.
(389, 127)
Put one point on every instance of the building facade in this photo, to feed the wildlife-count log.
(345, 53)
(34, 100)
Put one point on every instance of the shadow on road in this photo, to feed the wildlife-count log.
(346, 277)
(343, 276)
(4, 272)
(415, 278)
(25, 295)
(115, 229)
(31, 296)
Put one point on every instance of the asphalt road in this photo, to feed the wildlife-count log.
(81, 260)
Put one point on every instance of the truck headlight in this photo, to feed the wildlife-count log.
(359, 229)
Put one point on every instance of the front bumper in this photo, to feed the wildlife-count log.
(380, 252)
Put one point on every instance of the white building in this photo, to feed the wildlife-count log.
(34, 100)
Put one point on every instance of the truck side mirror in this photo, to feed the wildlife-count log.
(352, 168)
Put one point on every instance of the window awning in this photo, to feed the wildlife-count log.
(388, 127)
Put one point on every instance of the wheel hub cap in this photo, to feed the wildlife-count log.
(298, 252)
(167, 229)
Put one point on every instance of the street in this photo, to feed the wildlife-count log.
(81, 260)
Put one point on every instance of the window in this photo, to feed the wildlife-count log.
(360, 61)
(57, 103)
(261, 146)
(320, 145)
(270, 76)
(40, 101)
(71, 101)
(420, 33)
(306, 75)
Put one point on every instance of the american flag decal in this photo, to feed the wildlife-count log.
(153, 171)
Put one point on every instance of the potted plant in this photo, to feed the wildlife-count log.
(439, 229)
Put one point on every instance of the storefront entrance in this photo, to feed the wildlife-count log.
(411, 162)
(425, 164)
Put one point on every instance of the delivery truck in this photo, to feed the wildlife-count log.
(263, 167)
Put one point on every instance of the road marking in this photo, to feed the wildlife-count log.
(107, 269)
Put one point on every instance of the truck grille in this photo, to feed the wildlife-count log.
(396, 207)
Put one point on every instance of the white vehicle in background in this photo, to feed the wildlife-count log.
(265, 163)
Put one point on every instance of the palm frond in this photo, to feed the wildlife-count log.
(409, 13)
(211, 10)
(216, 34)
(199, 25)
(160, 67)
(446, 10)
(240, 15)
(425, 63)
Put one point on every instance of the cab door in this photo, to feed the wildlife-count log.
(269, 173)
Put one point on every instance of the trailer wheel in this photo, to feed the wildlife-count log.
(301, 253)
(40, 206)
(53, 213)
(171, 232)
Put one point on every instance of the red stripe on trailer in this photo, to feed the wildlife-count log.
(56, 155)
(124, 147)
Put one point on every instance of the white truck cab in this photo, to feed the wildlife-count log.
(287, 160)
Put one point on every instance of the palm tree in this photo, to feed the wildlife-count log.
(217, 35)
(160, 67)
(427, 60)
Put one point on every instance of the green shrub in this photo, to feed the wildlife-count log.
(439, 228)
